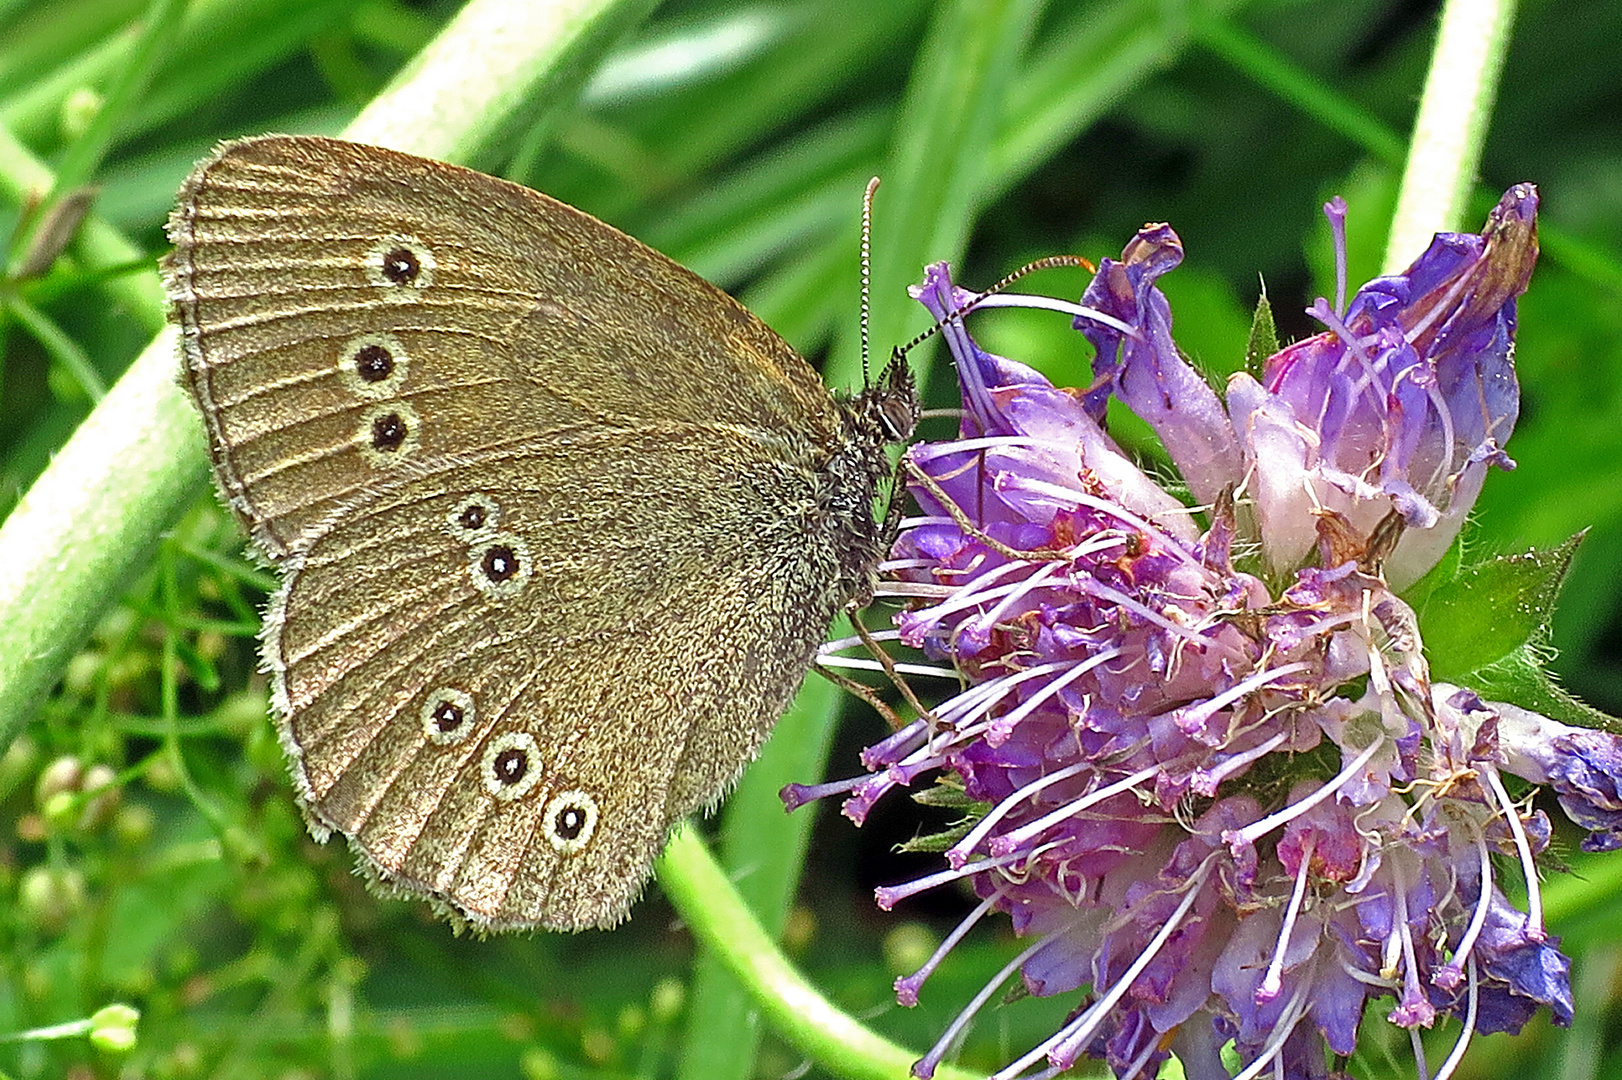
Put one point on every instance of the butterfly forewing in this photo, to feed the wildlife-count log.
(348, 311)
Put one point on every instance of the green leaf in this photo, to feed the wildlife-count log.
(1489, 611)
(1446, 569)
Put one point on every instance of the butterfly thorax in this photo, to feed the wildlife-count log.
(882, 414)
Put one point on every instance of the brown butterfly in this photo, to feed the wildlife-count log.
(561, 524)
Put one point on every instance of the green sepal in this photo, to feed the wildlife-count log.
(1486, 613)
(937, 842)
(1486, 626)
(1263, 340)
(947, 791)
(1522, 679)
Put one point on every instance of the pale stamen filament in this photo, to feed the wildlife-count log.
(969, 596)
(1523, 846)
(1137, 1063)
(926, 1064)
(1206, 780)
(1410, 974)
(1074, 1035)
(1390, 953)
(1021, 589)
(916, 590)
(1254, 832)
(1281, 1032)
(1421, 1068)
(1078, 499)
(1211, 706)
(961, 850)
(1010, 720)
(1478, 918)
(864, 663)
(1025, 832)
(1457, 1055)
(1273, 981)
(888, 895)
(907, 987)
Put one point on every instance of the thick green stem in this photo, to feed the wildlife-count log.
(718, 917)
(1451, 126)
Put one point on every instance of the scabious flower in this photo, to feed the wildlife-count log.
(1222, 799)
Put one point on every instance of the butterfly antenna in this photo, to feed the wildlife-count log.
(1032, 267)
(867, 267)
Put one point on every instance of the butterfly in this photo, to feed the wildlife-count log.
(560, 524)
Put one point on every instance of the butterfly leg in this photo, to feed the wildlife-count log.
(931, 485)
(889, 667)
(863, 691)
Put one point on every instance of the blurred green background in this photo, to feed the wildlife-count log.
(736, 138)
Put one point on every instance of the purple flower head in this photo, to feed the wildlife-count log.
(1229, 808)
(1400, 405)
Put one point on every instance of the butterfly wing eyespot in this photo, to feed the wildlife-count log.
(389, 434)
(512, 765)
(448, 715)
(499, 564)
(373, 365)
(473, 517)
(570, 821)
(396, 264)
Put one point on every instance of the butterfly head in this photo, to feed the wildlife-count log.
(889, 405)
